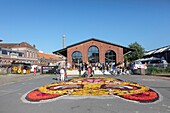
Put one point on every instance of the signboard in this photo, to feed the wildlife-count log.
(49, 69)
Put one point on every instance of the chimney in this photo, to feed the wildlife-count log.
(64, 41)
(33, 45)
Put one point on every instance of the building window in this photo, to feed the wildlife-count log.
(77, 57)
(93, 54)
(30, 54)
(27, 54)
(110, 57)
(4, 52)
(21, 54)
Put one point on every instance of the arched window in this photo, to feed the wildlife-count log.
(110, 57)
(77, 57)
(93, 54)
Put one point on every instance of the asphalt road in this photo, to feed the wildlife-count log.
(11, 94)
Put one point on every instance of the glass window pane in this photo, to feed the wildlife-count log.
(76, 56)
(93, 54)
(110, 57)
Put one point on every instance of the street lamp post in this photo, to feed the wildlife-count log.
(79, 68)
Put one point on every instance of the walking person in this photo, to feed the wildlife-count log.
(35, 70)
(62, 73)
(89, 71)
(58, 74)
(93, 69)
(65, 74)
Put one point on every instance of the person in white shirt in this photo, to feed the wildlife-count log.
(93, 69)
(62, 73)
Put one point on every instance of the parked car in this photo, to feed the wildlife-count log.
(138, 65)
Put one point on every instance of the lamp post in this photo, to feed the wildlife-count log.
(79, 68)
(0, 57)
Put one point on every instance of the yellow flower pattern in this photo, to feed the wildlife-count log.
(93, 87)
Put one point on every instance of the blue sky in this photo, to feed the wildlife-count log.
(43, 22)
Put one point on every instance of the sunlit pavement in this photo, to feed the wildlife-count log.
(10, 98)
(14, 78)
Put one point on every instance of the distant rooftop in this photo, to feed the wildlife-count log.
(159, 50)
(16, 45)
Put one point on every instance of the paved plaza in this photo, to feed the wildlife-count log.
(13, 87)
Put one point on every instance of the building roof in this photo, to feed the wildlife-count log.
(16, 45)
(157, 51)
(98, 41)
(63, 51)
(7, 45)
(48, 56)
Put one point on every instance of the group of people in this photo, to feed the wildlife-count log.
(84, 66)
(119, 70)
(108, 67)
(89, 70)
(61, 74)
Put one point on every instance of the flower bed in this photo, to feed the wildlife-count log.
(95, 87)
(36, 95)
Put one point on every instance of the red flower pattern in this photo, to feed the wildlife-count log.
(36, 95)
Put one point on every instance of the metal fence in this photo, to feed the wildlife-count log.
(142, 71)
(159, 66)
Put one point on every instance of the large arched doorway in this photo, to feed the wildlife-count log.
(76, 59)
(110, 57)
(93, 54)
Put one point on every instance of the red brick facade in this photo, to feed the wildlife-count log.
(102, 46)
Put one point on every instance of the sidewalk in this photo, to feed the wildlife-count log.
(163, 75)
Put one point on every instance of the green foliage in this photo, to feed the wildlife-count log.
(167, 70)
(154, 70)
(137, 54)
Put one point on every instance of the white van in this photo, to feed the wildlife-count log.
(32, 68)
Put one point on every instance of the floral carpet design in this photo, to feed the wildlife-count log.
(94, 87)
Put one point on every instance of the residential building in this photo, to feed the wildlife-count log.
(18, 52)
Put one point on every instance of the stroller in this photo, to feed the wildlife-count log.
(85, 74)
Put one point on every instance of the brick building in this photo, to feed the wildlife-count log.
(94, 51)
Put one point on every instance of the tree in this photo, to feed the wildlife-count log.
(136, 54)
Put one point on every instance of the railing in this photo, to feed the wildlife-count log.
(160, 66)
(152, 68)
